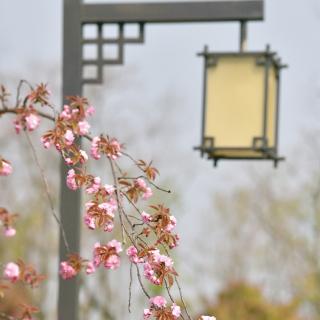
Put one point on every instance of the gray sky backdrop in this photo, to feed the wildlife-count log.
(161, 81)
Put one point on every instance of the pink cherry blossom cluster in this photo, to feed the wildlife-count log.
(101, 208)
(132, 253)
(5, 167)
(110, 147)
(107, 254)
(74, 264)
(141, 185)
(67, 271)
(104, 201)
(20, 271)
(27, 118)
(162, 223)
(156, 266)
(70, 124)
(100, 214)
(74, 115)
(159, 310)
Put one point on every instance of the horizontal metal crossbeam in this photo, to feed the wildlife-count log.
(173, 12)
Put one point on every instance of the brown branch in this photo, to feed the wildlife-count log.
(40, 113)
(118, 194)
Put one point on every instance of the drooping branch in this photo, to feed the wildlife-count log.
(69, 125)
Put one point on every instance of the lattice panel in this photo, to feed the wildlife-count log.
(98, 45)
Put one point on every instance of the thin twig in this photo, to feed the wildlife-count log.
(178, 285)
(168, 290)
(130, 289)
(141, 284)
(181, 297)
(118, 199)
(21, 82)
(47, 189)
(170, 296)
(120, 208)
(150, 181)
(118, 167)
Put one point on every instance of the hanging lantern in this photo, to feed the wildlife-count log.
(241, 105)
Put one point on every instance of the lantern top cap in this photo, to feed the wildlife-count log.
(272, 55)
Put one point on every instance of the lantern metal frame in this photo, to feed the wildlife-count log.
(268, 59)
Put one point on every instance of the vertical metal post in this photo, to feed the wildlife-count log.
(243, 35)
(70, 201)
(204, 98)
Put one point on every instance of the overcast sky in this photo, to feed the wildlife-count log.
(30, 32)
(165, 70)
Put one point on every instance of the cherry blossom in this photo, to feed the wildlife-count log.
(46, 142)
(158, 301)
(147, 313)
(90, 268)
(27, 118)
(10, 232)
(109, 189)
(84, 156)
(158, 309)
(69, 137)
(176, 311)
(83, 127)
(66, 113)
(132, 253)
(110, 147)
(90, 222)
(32, 121)
(94, 187)
(108, 254)
(11, 272)
(5, 168)
(71, 180)
(142, 186)
(146, 217)
(66, 270)
(90, 111)
(95, 148)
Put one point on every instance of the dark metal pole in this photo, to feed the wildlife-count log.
(70, 201)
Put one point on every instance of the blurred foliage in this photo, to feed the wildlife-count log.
(242, 301)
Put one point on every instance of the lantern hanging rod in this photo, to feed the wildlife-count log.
(173, 12)
(243, 35)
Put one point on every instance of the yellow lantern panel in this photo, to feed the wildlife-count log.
(235, 98)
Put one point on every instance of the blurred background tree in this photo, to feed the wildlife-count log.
(240, 300)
